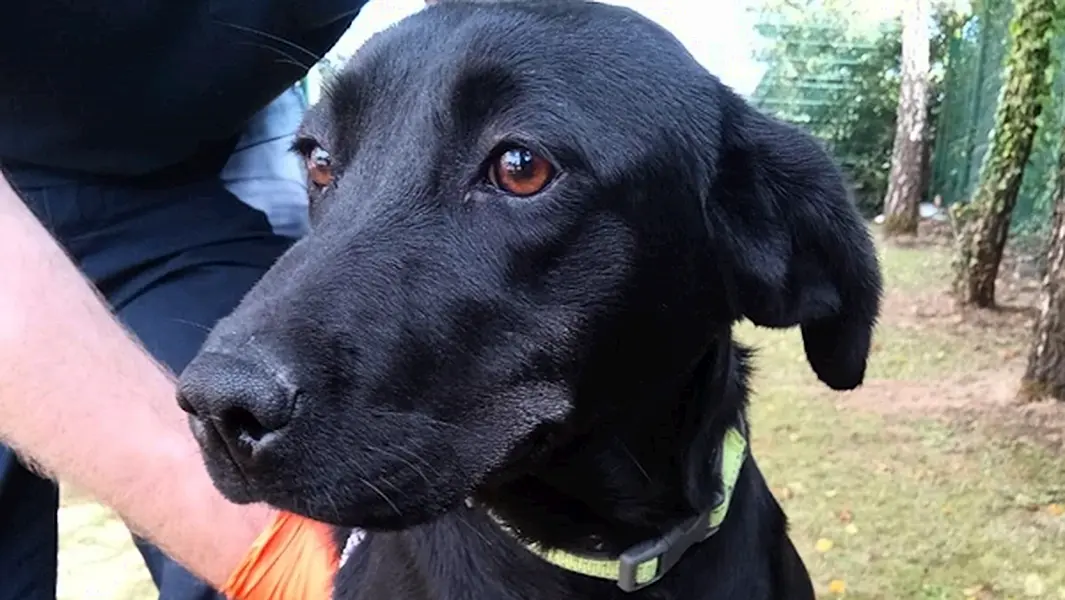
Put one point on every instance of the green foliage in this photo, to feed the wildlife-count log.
(1018, 115)
(840, 80)
(974, 83)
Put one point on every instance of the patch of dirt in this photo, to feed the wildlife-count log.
(1017, 292)
(1015, 315)
(930, 234)
(980, 398)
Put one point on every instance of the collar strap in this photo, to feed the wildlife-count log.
(649, 561)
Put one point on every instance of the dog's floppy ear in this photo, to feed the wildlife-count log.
(799, 252)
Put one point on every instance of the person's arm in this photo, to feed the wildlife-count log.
(83, 401)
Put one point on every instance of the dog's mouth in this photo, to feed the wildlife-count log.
(406, 470)
(353, 455)
(223, 466)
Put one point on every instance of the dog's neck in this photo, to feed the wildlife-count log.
(618, 485)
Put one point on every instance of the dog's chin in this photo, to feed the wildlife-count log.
(384, 501)
(380, 490)
(228, 480)
(366, 504)
(371, 505)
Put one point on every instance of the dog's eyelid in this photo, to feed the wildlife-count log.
(513, 142)
(304, 145)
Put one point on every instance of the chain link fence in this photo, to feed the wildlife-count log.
(972, 83)
(839, 84)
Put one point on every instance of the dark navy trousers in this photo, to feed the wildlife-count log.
(171, 260)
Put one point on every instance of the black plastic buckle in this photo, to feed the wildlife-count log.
(668, 549)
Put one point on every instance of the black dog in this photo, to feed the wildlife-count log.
(534, 226)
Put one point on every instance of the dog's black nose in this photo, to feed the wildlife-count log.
(242, 400)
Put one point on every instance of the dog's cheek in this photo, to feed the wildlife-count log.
(379, 471)
(515, 429)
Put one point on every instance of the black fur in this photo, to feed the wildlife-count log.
(565, 358)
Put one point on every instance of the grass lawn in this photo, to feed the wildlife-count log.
(927, 483)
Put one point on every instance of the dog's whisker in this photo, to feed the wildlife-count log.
(199, 326)
(413, 455)
(315, 57)
(361, 469)
(464, 519)
(383, 495)
(378, 412)
(421, 460)
(337, 515)
(402, 460)
(632, 456)
(389, 483)
(289, 59)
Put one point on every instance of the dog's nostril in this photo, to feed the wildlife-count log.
(240, 399)
(185, 405)
(242, 425)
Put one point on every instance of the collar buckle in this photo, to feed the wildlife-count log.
(646, 563)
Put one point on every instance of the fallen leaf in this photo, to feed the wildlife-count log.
(824, 545)
(837, 587)
(1034, 586)
(851, 529)
(846, 516)
(1056, 510)
(831, 493)
(979, 592)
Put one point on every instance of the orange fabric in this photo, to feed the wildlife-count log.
(293, 559)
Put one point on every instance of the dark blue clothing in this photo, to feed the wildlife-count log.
(130, 87)
(171, 261)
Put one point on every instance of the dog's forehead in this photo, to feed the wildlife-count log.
(597, 80)
(554, 40)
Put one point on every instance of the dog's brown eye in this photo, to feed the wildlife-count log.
(320, 167)
(521, 172)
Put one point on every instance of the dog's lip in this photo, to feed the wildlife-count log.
(201, 432)
(210, 440)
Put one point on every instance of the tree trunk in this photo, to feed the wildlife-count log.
(1045, 375)
(907, 154)
(985, 223)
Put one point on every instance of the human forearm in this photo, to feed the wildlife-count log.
(84, 402)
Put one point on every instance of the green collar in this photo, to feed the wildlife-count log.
(647, 562)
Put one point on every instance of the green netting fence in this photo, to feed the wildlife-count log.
(972, 83)
(831, 80)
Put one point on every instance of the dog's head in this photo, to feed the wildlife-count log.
(522, 215)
